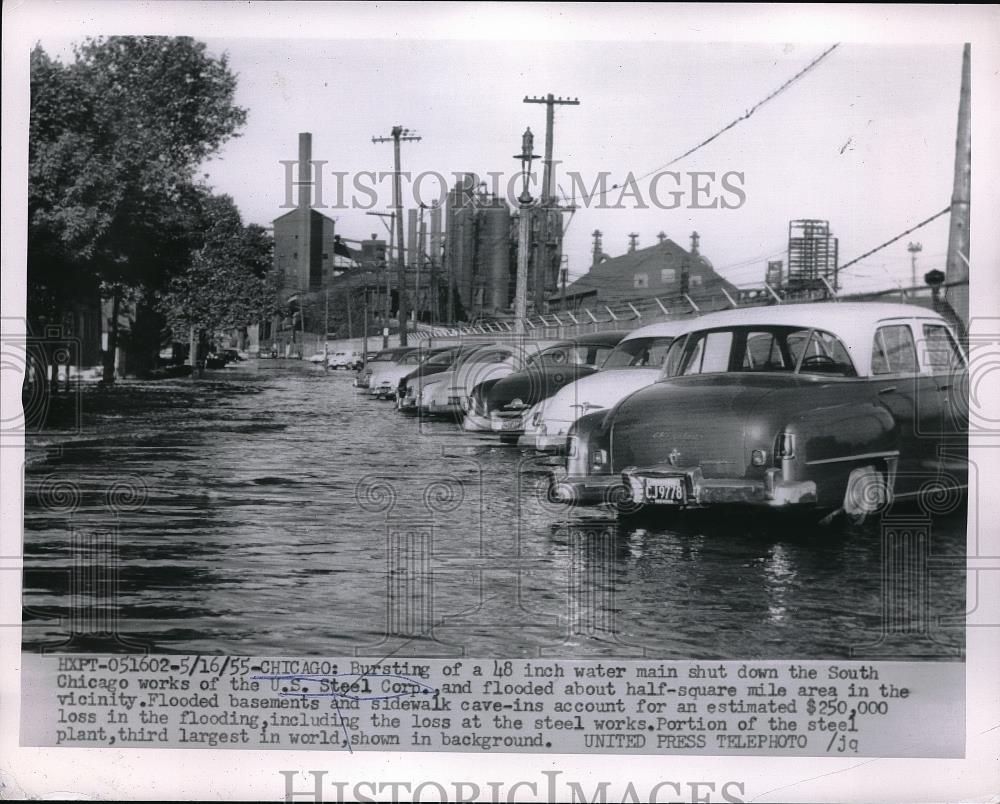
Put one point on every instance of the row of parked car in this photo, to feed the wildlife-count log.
(830, 407)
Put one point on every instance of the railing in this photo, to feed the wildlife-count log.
(629, 314)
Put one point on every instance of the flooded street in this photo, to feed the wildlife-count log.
(272, 509)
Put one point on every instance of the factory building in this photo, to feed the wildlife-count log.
(665, 270)
(303, 237)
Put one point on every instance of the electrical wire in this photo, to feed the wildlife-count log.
(735, 122)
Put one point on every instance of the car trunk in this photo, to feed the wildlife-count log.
(665, 424)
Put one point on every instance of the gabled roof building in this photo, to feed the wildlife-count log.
(665, 270)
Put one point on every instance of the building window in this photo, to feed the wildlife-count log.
(641, 281)
(668, 276)
(326, 256)
(696, 281)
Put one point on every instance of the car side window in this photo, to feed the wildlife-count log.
(893, 351)
(941, 353)
(762, 353)
(709, 353)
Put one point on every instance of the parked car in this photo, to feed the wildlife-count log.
(345, 359)
(830, 406)
(499, 405)
(385, 377)
(634, 363)
(409, 388)
(363, 377)
(448, 393)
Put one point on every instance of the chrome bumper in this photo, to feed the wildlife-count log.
(543, 442)
(474, 423)
(583, 489)
(700, 491)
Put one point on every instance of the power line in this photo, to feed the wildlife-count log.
(897, 237)
(739, 119)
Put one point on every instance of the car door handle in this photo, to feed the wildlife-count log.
(887, 390)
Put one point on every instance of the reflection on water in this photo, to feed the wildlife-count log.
(274, 510)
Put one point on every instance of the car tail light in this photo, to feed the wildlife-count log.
(598, 460)
(786, 446)
(758, 457)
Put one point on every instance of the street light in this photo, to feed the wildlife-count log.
(524, 201)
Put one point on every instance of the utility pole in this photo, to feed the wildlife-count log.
(399, 134)
(350, 318)
(364, 339)
(388, 277)
(418, 261)
(523, 232)
(957, 267)
(543, 264)
(914, 249)
(326, 327)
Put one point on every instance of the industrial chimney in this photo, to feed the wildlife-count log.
(305, 170)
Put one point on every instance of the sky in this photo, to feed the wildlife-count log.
(864, 140)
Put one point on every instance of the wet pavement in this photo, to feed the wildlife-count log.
(273, 509)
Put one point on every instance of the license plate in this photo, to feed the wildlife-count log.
(663, 490)
(503, 425)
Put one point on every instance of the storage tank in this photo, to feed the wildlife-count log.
(494, 245)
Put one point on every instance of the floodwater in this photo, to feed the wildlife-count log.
(272, 509)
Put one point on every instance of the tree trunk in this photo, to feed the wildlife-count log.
(109, 355)
(194, 354)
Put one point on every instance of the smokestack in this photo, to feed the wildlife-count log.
(661, 237)
(598, 249)
(435, 256)
(633, 241)
(305, 170)
(694, 244)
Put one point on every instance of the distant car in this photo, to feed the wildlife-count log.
(385, 377)
(386, 356)
(830, 407)
(345, 359)
(634, 363)
(319, 357)
(448, 393)
(499, 405)
(409, 389)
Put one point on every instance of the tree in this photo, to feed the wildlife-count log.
(229, 282)
(116, 136)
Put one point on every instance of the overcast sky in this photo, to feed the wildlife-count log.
(864, 140)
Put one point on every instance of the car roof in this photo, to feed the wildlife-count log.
(854, 323)
(661, 329)
(610, 338)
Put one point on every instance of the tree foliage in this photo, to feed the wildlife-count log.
(115, 137)
(229, 282)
